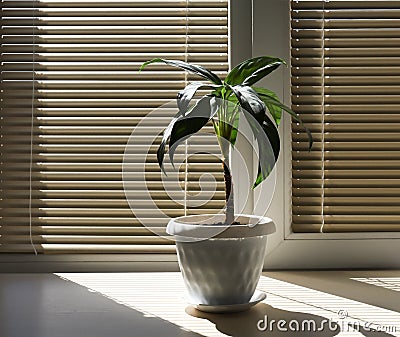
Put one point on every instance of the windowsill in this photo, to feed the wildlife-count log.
(344, 236)
(153, 304)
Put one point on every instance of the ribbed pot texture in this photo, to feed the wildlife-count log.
(222, 270)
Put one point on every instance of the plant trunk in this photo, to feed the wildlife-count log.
(230, 209)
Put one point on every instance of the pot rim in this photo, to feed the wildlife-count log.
(201, 227)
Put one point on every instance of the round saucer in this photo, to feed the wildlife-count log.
(257, 297)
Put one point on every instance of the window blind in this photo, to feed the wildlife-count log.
(76, 62)
(345, 86)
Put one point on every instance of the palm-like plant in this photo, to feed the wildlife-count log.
(238, 90)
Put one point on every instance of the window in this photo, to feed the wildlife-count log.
(71, 95)
(307, 250)
(345, 86)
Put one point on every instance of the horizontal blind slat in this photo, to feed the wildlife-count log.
(116, 4)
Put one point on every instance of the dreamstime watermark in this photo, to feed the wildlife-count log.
(342, 323)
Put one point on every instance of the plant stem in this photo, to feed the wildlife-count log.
(230, 208)
(223, 131)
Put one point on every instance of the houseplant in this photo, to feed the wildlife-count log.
(208, 246)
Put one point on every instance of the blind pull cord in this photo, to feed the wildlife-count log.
(186, 83)
(323, 122)
(32, 122)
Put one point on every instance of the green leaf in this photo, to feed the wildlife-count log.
(249, 100)
(233, 98)
(227, 130)
(268, 152)
(234, 128)
(253, 70)
(192, 68)
(186, 126)
(262, 127)
(267, 158)
(185, 96)
(271, 100)
(166, 135)
(226, 126)
(275, 111)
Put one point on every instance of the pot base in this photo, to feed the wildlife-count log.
(220, 309)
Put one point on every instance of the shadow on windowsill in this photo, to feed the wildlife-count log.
(262, 320)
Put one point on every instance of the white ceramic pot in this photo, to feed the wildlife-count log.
(221, 265)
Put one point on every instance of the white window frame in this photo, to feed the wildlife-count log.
(288, 250)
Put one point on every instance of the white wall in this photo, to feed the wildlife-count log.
(271, 37)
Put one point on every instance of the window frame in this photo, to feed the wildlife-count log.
(288, 250)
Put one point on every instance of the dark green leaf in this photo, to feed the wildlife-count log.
(249, 100)
(263, 128)
(267, 158)
(267, 98)
(185, 96)
(193, 68)
(253, 70)
(272, 134)
(275, 111)
(166, 135)
(192, 122)
(267, 137)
